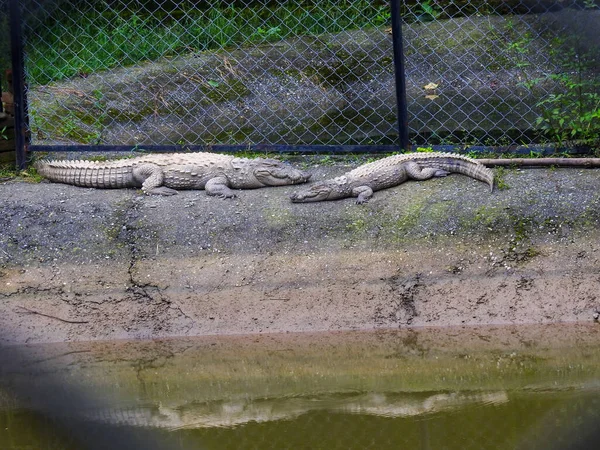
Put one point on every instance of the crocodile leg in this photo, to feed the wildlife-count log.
(151, 177)
(219, 186)
(414, 171)
(363, 194)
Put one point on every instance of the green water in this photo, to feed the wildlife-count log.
(524, 422)
(496, 388)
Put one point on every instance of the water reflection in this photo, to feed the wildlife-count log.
(506, 386)
(230, 413)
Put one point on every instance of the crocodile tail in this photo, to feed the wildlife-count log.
(479, 172)
(86, 173)
(460, 164)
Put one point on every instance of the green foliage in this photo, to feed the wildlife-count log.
(3, 134)
(520, 48)
(9, 172)
(429, 10)
(424, 150)
(573, 115)
(31, 174)
(572, 111)
(84, 41)
(500, 179)
(271, 33)
(534, 154)
(383, 16)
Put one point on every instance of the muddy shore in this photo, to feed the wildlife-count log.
(83, 264)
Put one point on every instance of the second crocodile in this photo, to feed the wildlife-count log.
(163, 173)
(392, 171)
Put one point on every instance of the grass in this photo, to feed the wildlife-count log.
(9, 172)
(500, 179)
(79, 42)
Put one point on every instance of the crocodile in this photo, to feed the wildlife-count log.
(165, 173)
(392, 171)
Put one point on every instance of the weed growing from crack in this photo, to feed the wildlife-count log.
(500, 179)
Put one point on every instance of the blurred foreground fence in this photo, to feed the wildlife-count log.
(289, 74)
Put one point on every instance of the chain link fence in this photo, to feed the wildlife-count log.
(502, 72)
(182, 72)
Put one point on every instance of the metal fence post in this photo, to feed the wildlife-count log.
(20, 97)
(400, 74)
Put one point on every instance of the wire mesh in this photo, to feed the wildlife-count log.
(157, 72)
(186, 73)
(500, 73)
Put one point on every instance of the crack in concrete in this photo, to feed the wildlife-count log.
(149, 293)
(34, 290)
(404, 310)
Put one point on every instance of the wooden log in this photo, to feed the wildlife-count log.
(541, 162)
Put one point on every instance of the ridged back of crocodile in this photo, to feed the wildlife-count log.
(446, 161)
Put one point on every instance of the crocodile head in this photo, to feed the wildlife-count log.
(270, 172)
(317, 192)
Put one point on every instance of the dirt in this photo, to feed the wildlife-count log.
(83, 264)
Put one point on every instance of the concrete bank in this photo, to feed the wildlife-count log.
(86, 264)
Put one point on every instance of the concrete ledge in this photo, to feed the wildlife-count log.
(85, 264)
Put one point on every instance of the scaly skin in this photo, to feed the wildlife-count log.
(163, 174)
(392, 171)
